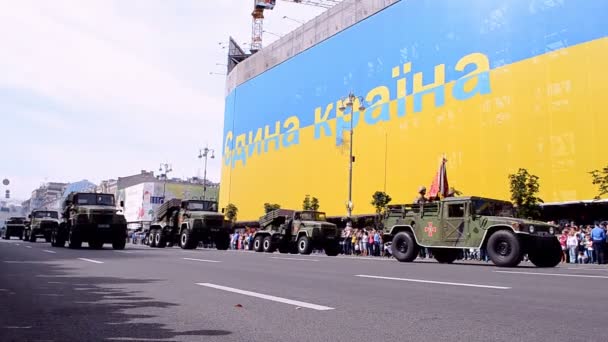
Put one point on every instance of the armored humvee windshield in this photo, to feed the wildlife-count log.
(94, 199)
(487, 207)
(202, 206)
(311, 216)
(45, 214)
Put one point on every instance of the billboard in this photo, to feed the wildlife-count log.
(491, 85)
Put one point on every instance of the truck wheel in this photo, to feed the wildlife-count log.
(404, 248)
(332, 248)
(545, 253)
(73, 241)
(504, 249)
(47, 238)
(159, 241)
(445, 255)
(95, 244)
(258, 243)
(267, 245)
(187, 241)
(56, 240)
(304, 245)
(119, 244)
(222, 242)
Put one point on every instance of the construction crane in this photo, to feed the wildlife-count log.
(258, 16)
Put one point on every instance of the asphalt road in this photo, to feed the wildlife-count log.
(146, 294)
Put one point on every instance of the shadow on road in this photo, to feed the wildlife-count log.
(47, 302)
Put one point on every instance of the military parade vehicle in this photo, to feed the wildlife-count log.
(454, 223)
(91, 218)
(14, 226)
(41, 224)
(292, 231)
(188, 222)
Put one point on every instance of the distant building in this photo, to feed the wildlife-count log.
(46, 196)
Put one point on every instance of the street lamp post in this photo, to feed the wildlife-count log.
(164, 169)
(349, 102)
(204, 153)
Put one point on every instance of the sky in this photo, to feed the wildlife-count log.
(99, 89)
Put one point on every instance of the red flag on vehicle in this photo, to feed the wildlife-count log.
(440, 182)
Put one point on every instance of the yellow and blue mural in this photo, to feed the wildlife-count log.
(492, 85)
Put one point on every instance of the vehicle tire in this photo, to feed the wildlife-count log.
(186, 240)
(445, 255)
(159, 240)
(47, 238)
(151, 238)
(73, 241)
(304, 245)
(258, 243)
(545, 253)
(404, 247)
(504, 249)
(95, 244)
(56, 240)
(222, 242)
(119, 244)
(267, 245)
(332, 248)
(32, 237)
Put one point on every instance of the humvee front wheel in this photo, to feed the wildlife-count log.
(267, 245)
(545, 252)
(304, 245)
(445, 255)
(404, 248)
(504, 249)
(258, 245)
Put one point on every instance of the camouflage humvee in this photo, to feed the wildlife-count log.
(456, 223)
(14, 226)
(42, 223)
(294, 232)
(188, 222)
(92, 218)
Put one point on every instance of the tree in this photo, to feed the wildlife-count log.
(306, 203)
(268, 207)
(380, 200)
(310, 203)
(600, 178)
(524, 187)
(231, 212)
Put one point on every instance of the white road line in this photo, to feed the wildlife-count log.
(555, 274)
(124, 252)
(434, 282)
(91, 260)
(587, 269)
(28, 246)
(293, 259)
(16, 327)
(17, 244)
(268, 297)
(203, 260)
(47, 251)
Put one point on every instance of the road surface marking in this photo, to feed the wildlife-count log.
(5, 290)
(587, 269)
(555, 274)
(293, 259)
(91, 260)
(28, 246)
(47, 251)
(268, 297)
(24, 262)
(16, 327)
(434, 282)
(17, 244)
(55, 282)
(124, 252)
(203, 260)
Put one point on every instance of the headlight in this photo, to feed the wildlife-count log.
(531, 229)
(551, 230)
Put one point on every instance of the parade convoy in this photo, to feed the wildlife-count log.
(445, 227)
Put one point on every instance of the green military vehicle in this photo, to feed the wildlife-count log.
(14, 226)
(188, 222)
(455, 223)
(292, 231)
(91, 218)
(42, 223)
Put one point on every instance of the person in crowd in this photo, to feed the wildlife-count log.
(370, 243)
(598, 235)
(589, 249)
(572, 244)
(562, 241)
(377, 243)
(364, 239)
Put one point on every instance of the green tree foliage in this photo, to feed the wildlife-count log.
(380, 200)
(600, 178)
(310, 203)
(524, 187)
(231, 212)
(268, 207)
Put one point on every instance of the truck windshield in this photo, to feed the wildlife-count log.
(202, 206)
(312, 216)
(493, 208)
(95, 199)
(15, 220)
(45, 214)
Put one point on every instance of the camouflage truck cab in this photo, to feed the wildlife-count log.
(14, 226)
(42, 223)
(91, 218)
(292, 231)
(455, 223)
(188, 222)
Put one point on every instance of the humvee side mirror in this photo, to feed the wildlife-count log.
(122, 204)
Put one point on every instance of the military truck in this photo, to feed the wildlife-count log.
(292, 231)
(188, 222)
(14, 226)
(41, 224)
(455, 223)
(91, 218)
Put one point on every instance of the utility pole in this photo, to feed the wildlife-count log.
(204, 153)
